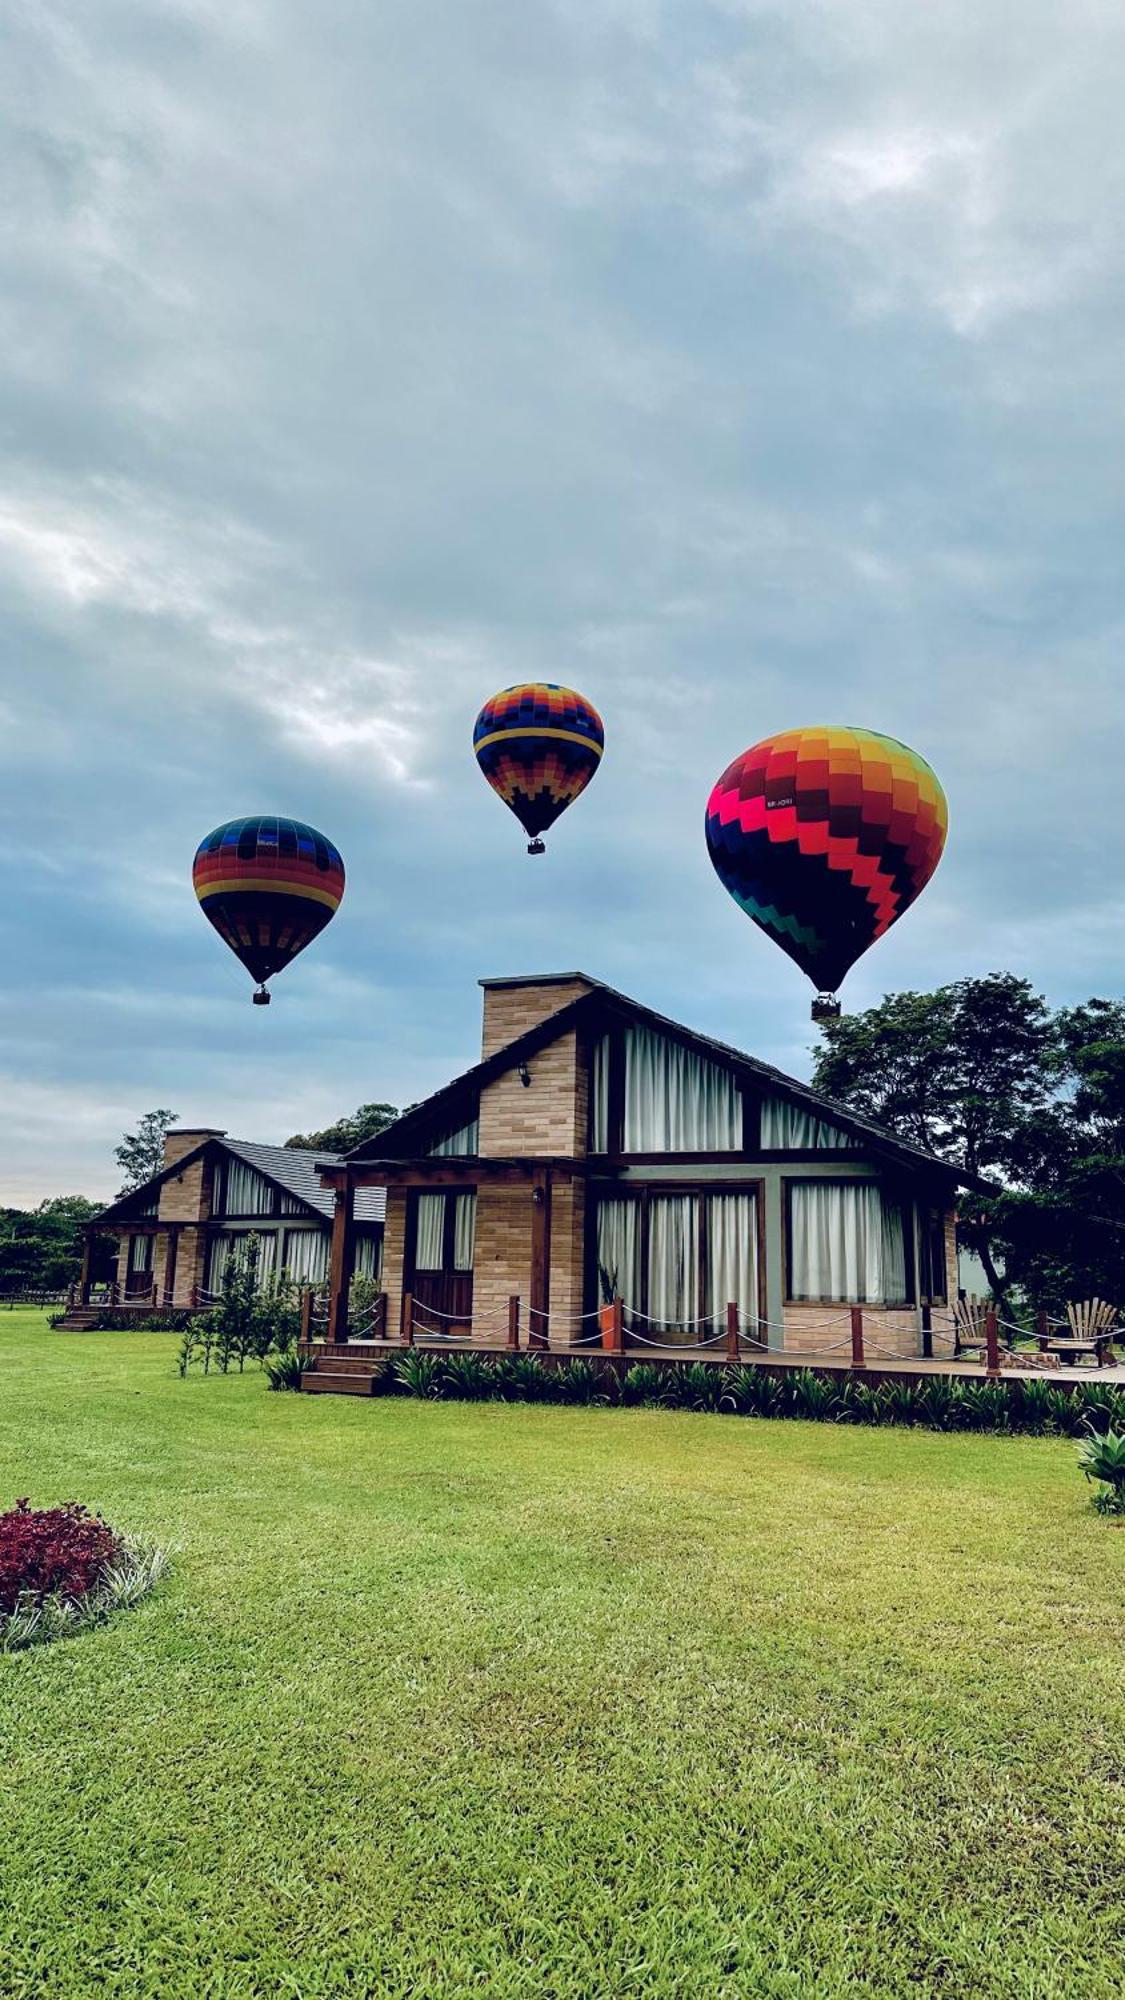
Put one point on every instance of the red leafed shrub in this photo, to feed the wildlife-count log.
(51, 1552)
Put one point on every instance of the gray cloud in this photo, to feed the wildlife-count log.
(744, 363)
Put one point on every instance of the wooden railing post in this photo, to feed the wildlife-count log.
(991, 1342)
(617, 1334)
(408, 1319)
(733, 1330)
(857, 1337)
(513, 1323)
(306, 1317)
(1042, 1329)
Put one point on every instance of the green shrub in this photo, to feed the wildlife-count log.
(938, 1403)
(468, 1378)
(1100, 1407)
(865, 1403)
(986, 1406)
(417, 1373)
(645, 1382)
(284, 1369)
(581, 1382)
(701, 1386)
(1101, 1457)
(900, 1402)
(812, 1396)
(524, 1380)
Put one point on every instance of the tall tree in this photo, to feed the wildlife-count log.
(141, 1153)
(41, 1248)
(365, 1123)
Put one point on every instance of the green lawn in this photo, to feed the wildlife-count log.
(456, 1699)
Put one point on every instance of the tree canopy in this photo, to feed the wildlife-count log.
(984, 1074)
(364, 1123)
(141, 1153)
(41, 1248)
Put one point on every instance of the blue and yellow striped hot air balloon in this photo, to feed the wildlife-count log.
(269, 886)
(538, 745)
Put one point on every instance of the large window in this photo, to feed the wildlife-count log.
(445, 1232)
(677, 1260)
(651, 1094)
(369, 1255)
(230, 1243)
(461, 1144)
(847, 1244)
(140, 1253)
(305, 1255)
(788, 1128)
(243, 1191)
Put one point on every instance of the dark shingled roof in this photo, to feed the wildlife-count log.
(404, 1135)
(290, 1167)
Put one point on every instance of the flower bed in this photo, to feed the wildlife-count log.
(62, 1568)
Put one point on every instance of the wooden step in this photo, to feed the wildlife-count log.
(337, 1382)
(78, 1322)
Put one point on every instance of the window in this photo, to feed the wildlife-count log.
(460, 1144)
(369, 1255)
(230, 1243)
(678, 1259)
(140, 1253)
(933, 1282)
(306, 1255)
(790, 1129)
(650, 1094)
(243, 1191)
(847, 1244)
(445, 1232)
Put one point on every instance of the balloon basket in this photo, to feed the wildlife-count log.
(826, 1007)
(537, 847)
(262, 998)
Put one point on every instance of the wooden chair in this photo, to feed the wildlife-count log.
(969, 1336)
(1092, 1326)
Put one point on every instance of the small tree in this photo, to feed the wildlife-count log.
(141, 1153)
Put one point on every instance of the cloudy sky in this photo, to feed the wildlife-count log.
(743, 362)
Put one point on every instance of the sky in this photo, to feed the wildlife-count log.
(742, 363)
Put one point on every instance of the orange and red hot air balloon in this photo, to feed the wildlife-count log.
(824, 837)
(538, 745)
(269, 886)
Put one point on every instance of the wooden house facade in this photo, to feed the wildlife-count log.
(598, 1149)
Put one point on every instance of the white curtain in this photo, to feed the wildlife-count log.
(732, 1257)
(244, 1191)
(675, 1102)
(599, 1098)
(369, 1256)
(673, 1260)
(461, 1144)
(464, 1231)
(232, 1243)
(846, 1243)
(306, 1255)
(140, 1253)
(619, 1250)
(787, 1128)
(291, 1204)
(428, 1255)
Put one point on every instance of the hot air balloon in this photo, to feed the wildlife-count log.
(539, 746)
(269, 886)
(825, 837)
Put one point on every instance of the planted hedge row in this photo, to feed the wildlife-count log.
(1030, 1405)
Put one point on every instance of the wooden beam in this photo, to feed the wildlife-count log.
(342, 1266)
(170, 1267)
(87, 1254)
(539, 1303)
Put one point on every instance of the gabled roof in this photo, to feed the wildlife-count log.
(291, 1168)
(604, 1004)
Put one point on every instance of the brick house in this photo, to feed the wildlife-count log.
(599, 1149)
(175, 1234)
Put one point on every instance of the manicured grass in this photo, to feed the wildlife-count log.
(460, 1699)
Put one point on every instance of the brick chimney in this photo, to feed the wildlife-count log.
(183, 1139)
(512, 1006)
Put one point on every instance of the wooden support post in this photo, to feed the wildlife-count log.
(1042, 1329)
(992, 1343)
(513, 1323)
(306, 1317)
(87, 1254)
(857, 1337)
(170, 1267)
(343, 1264)
(408, 1319)
(539, 1302)
(733, 1331)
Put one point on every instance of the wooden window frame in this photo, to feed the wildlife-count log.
(906, 1207)
(446, 1268)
